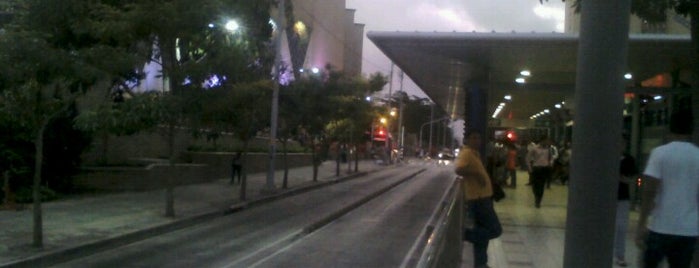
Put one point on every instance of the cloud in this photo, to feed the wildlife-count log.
(557, 15)
(431, 17)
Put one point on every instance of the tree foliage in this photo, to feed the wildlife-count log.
(653, 11)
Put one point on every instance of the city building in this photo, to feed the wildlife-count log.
(327, 34)
(318, 34)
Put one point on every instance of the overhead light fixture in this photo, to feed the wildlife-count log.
(508, 97)
(558, 106)
(658, 97)
(520, 80)
(525, 73)
(499, 109)
(628, 76)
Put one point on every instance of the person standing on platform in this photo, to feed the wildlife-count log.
(511, 164)
(528, 162)
(236, 167)
(668, 224)
(478, 193)
(540, 168)
(627, 172)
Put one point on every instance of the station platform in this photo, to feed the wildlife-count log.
(535, 237)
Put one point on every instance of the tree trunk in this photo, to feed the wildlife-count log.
(9, 199)
(356, 159)
(285, 183)
(314, 159)
(103, 160)
(244, 180)
(337, 161)
(170, 187)
(38, 240)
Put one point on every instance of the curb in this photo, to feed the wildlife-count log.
(63, 255)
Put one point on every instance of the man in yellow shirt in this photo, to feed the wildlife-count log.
(478, 194)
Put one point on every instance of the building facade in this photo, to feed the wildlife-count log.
(324, 33)
(317, 34)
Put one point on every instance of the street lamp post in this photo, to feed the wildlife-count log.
(269, 187)
(400, 119)
(430, 123)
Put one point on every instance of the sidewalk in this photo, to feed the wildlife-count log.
(75, 226)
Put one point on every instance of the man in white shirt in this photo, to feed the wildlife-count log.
(540, 161)
(669, 217)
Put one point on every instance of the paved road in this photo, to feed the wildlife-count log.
(281, 233)
(378, 234)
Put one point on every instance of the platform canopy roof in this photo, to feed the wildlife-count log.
(442, 64)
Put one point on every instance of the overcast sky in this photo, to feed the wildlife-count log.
(449, 15)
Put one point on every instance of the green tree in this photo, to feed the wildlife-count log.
(242, 109)
(310, 99)
(320, 108)
(353, 113)
(42, 75)
(187, 39)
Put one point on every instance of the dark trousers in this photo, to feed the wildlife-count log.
(539, 177)
(235, 170)
(677, 249)
(513, 177)
(486, 226)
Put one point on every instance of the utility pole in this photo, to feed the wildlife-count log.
(388, 119)
(400, 117)
(429, 146)
(269, 187)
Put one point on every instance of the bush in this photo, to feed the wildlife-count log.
(24, 195)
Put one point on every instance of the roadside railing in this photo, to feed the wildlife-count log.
(440, 244)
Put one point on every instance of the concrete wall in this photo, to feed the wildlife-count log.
(153, 144)
(205, 167)
(154, 176)
(219, 164)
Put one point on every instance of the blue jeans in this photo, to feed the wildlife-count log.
(677, 249)
(486, 226)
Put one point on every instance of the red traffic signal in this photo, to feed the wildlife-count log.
(511, 135)
(380, 134)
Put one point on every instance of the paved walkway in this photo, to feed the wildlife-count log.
(88, 222)
(536, 237)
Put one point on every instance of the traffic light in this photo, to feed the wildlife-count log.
(511, 135)
(380, 134)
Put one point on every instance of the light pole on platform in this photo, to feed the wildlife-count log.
(269, 186)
